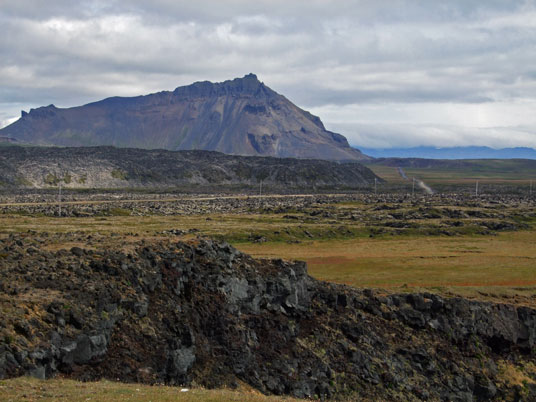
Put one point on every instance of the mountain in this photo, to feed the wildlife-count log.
(241, 117)
(109, 167)
(472, 152)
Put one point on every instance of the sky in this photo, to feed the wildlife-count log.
(384, 73)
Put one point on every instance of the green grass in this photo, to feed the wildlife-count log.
(487, 171)
(119, 174)
(118, 212)
(51, 179)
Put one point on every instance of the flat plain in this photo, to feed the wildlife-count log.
(457, 244)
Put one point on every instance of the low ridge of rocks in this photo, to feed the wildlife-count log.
(203, 313)
(108, 167)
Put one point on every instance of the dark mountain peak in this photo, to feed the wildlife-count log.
(49, 107)
(247, 81)
(250, 76)
(247, 85)
(241, 116)
(41, 112)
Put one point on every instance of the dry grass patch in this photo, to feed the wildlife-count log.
(465, 265)
(30, 389)
(473, 264)
(511, 375)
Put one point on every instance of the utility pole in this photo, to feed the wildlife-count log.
(413, 187)
(59, 200)
(530, 189)
(260, 188)
(476, 188)
(375, 182)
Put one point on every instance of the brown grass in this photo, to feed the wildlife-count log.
(445, 263)
(30, 389)
(486, 173)
(511, 375)
(472, 266)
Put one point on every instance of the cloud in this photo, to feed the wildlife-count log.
(393, 66)
(409, 135)
(493, 124)
(8, 121)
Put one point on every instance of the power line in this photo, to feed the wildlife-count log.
(59, 199)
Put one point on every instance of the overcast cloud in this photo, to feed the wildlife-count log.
(383, 73)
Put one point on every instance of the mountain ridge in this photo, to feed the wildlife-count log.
(109, 167)
(242, 116)
(469, 152)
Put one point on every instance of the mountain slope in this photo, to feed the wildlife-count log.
(109, 167)
(242, 116)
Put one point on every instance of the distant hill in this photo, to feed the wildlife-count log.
(240, 117)
(452, 153)
(109, 167)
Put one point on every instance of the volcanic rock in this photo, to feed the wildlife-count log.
(109, 167)
(202, 312)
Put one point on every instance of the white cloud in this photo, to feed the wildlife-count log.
(8, 121)
(413, 72)
(495, 124)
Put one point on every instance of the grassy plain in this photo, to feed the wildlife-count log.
(31, 389)
(494, 171)
(496, 266)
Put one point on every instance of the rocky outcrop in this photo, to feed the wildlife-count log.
(109, 167)
(241, 116)
(203, 313)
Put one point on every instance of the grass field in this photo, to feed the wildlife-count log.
(60, 389)
(486, 266)
(31, 389)
(504, 171)
(505, 259)
(473, 266)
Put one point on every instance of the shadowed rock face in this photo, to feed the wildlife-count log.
(242, 116)
(204, 312)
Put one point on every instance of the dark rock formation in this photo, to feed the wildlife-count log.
(203, 312)
(109, 167)
(242, 116)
